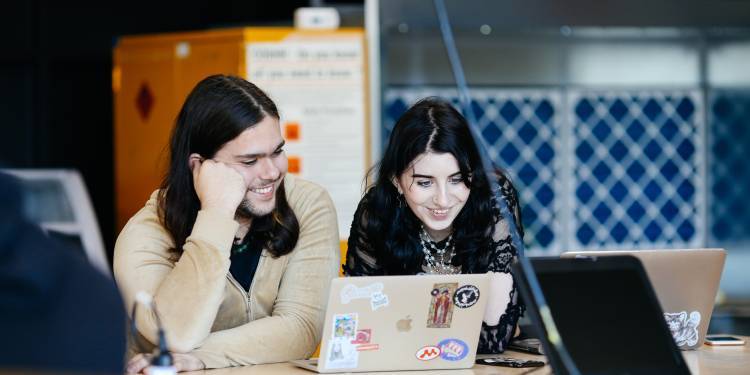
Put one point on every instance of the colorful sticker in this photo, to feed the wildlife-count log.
(441, 307)
(345, 326)
(351, 291)
(362, 336)
(428, 353)
(341, 354)
(378, 300)
(684, 328)
(466, 296)
(453, 349)
(361, 348)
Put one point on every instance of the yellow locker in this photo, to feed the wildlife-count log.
(152, 76)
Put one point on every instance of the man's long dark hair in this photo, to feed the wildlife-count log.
(217, 110)
(431, 125)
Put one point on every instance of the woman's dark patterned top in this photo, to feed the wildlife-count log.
(361, 260)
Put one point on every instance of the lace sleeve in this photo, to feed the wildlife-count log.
(495, 338)
(360, 254)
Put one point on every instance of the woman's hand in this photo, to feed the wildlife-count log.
(182, 362)
(219, 187)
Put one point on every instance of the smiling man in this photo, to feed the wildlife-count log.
(237, 255)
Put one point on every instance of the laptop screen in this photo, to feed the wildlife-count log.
(609, 319)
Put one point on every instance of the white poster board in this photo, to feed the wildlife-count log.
(319, 87)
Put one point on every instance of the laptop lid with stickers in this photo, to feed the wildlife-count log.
(685, 282)
(391, 323)
(606, 315)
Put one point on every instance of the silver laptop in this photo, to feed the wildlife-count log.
(392, 323)
(685, 282)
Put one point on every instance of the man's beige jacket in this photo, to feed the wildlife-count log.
(206, 312)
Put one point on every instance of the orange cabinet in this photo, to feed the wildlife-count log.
(152, 76)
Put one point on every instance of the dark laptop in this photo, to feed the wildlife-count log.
(606, 318)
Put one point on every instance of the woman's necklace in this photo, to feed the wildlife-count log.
(438, 259)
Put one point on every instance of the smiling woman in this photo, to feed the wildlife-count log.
(435, 191)
(430, 210)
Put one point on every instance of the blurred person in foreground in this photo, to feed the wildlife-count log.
(57, 312)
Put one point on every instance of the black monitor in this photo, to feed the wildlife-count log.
(606, 314)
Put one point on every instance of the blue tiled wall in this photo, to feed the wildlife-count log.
(594, 169)
(729, 172)
(637, 172)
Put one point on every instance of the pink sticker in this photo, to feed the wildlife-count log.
(362, 336)
(367, 347)
(428, 353)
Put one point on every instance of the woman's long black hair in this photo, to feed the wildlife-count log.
(430, 125)
(218, 109)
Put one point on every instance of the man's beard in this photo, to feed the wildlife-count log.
(248, 211)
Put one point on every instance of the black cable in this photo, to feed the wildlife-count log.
(163, 357)
(134, 329)
(549, 326)
(463, 94)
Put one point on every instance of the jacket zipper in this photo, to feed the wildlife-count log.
(247, 294)
(252, 283)
(242, 291)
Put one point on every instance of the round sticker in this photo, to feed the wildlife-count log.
(427, 353)
(453, 349)
(466, 296)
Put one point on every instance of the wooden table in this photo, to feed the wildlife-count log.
(727, 360)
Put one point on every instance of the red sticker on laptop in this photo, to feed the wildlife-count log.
(362, 336)
(428, 353)
(364, 347)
